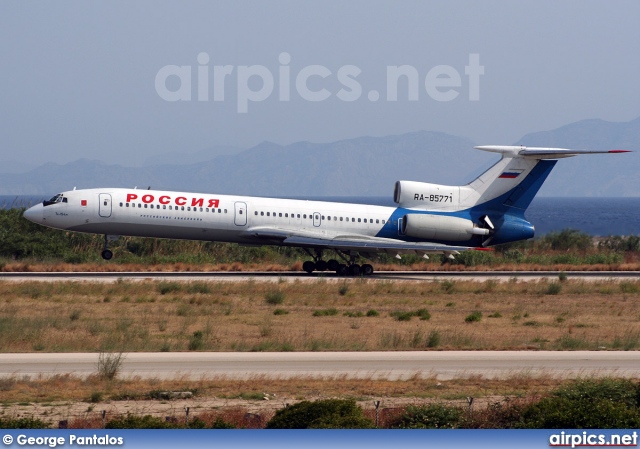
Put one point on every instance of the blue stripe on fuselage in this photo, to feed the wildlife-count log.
(506, 212)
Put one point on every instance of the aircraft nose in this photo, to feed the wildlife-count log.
(34, 213)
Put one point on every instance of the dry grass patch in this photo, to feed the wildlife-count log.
(239, 316)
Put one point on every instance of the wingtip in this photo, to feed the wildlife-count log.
(620, 151)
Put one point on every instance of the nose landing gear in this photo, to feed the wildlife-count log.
(107, 254)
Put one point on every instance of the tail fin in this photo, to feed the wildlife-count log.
(516, 178)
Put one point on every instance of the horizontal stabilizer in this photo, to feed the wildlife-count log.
(541, 153)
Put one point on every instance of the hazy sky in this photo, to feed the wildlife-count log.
(80, 79)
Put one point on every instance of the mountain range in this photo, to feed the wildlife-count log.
(363, 166)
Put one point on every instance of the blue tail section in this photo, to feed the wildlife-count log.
(522, 195)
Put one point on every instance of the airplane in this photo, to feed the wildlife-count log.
(427, 219)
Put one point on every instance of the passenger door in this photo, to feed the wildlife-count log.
(104, 206)
(240, 218)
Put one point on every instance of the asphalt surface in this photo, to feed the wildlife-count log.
(383, 365)
(298, 276)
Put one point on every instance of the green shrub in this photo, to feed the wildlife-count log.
(220, 423)
(588, 404)
(324, 414)
(326, 312)
(554, 288)
(198, 287)
(280, 312)
(473, 317)
(567, 239)
(196, 342)
(372, 312)
(23, 423)
(400, 315)
(448, 286)
(168, 287)
(423, 314)
(274, 297)
(433, 340)
(343, 290)
(139, 422)
(434, 416)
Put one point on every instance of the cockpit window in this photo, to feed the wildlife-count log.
(59, 198)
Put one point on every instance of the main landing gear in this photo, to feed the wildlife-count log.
(349, 268)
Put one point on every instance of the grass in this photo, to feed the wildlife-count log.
(232, 316)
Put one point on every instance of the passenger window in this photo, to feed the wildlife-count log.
(164, 207)
(262, 213)
(353, 220)
(298, 215)
(268, 214)
(120, 204)
(382, 221)
(377, 221)
(145, 206)
(286, 215)
(225, 211)
(340, 218)
(181, 207)
(127, 204)
(240, 212)
(359, 220)
(280, 214)
(329, 217)
(323, 217)
(152, 206)
(256, 213)
(304, 216)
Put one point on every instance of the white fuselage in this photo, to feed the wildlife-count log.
(181, 215)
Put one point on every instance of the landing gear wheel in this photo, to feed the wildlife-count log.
(309, 266)
(354, 270)
(342, 270)
(367, 270)
(321, 265)
(332, 265)
(107, 254)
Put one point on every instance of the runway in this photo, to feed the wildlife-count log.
(292, 276)
(442, 365)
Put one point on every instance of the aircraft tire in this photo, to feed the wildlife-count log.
(309, 266)
(354, 270)
(367, 269)
(321, 265)
(332, 265)
(107, 254)
(342, 270)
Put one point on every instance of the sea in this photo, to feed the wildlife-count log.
(593, 216)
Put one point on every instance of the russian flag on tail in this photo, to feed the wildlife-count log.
(511, 174)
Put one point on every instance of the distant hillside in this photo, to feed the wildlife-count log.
(364, 166)
(605, 176)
